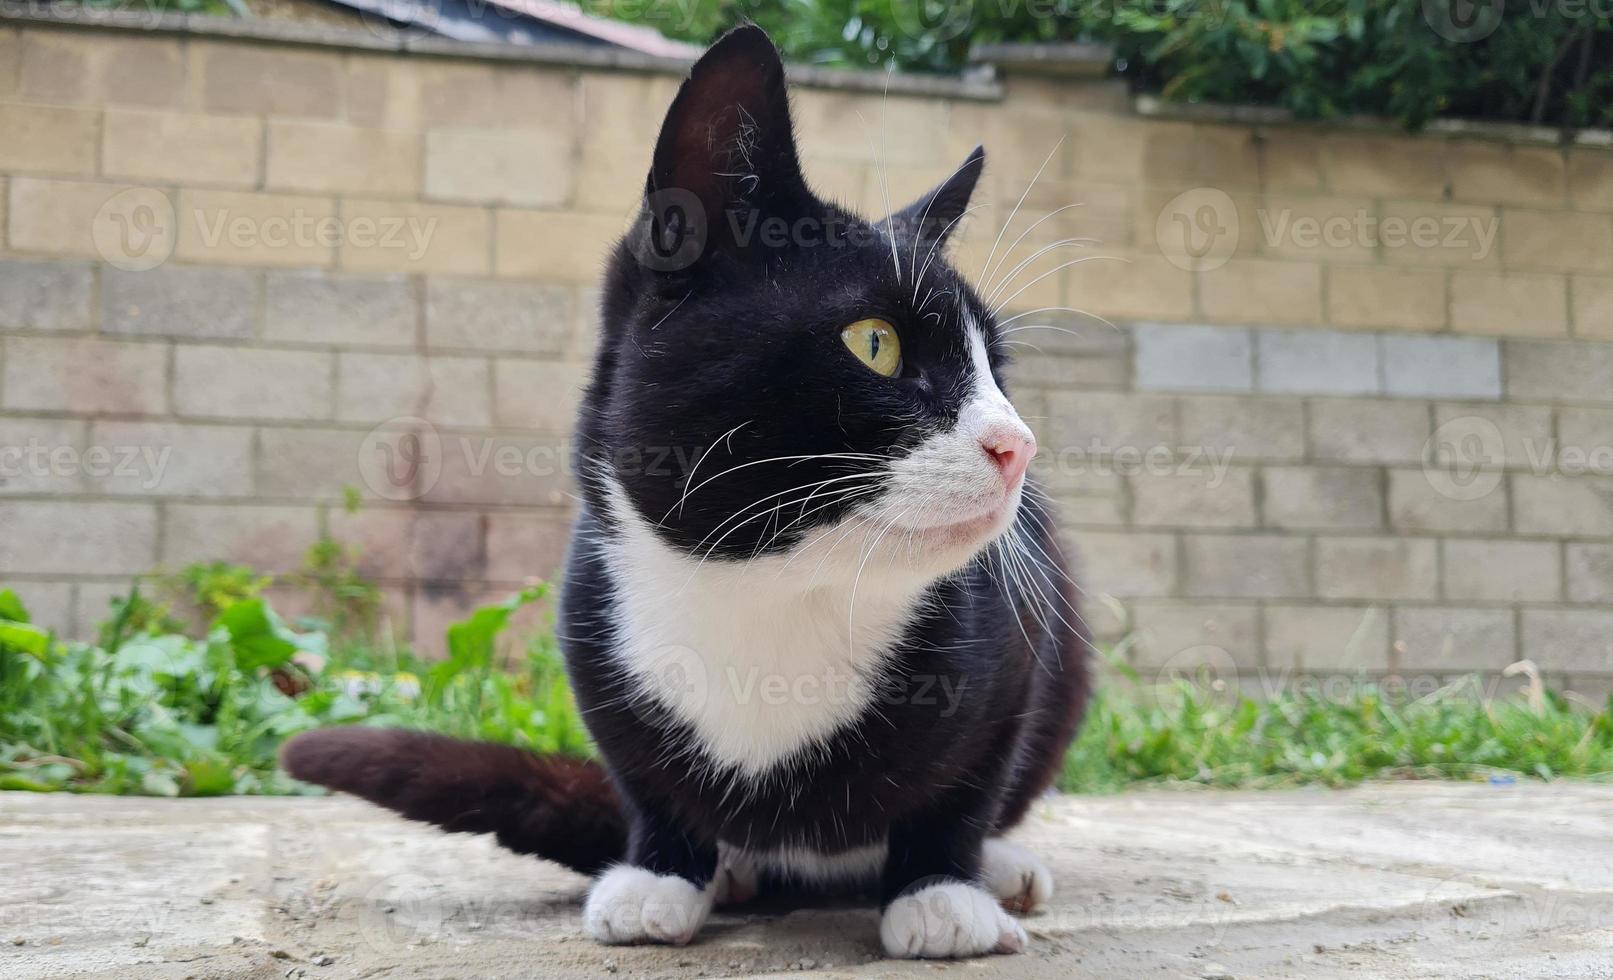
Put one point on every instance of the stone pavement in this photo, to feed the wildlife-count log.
(1423, 880)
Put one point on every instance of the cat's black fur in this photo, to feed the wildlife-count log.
(721, 350)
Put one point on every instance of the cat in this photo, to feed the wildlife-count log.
(840, 650)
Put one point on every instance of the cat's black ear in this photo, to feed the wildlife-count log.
(937, 213)
(726, 149)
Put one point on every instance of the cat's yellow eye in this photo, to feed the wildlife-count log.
(875, 344)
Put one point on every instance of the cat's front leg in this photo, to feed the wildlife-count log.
(933, 907)
(662, 893)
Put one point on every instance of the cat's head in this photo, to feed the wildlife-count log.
(780, 376)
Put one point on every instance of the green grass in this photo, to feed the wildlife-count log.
(150, 710)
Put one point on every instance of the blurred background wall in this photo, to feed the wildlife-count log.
(1337, 399)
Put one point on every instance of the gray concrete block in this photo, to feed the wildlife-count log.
(1559, 370)
(45, 295)
(1441, 367)
(513, 316)
(1455, 639)
(1575, 640)
(1193, 358)
(319, 308)
(179, 301)
(1324, 362)
(1247, 566)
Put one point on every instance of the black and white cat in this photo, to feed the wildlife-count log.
(838, 651)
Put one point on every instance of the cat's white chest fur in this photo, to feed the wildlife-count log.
(764, 659)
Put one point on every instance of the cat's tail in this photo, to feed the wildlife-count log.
(559, 808)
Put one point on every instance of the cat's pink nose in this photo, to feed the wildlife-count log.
(1011, 449)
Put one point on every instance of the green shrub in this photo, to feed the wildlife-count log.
(1542, 62)
(162, 713)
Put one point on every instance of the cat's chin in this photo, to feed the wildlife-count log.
(950, 545)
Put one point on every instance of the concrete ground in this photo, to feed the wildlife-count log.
(1405, 880)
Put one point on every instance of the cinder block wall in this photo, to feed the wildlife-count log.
(1336, 400)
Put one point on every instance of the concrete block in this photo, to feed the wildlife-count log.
(1297, 498)
(1361, 431)
(1330, 639)
(1386, 297)
(1590, 572)
(316, 307)
(45, 295)
(41, 456)
(1376, 568)
(1441, 367)
(1563, 505)
(85, 376)
(1573, 640)
(180, 301)
(167, 459)
(48, 139)
(375, 387)
(503, 316)
(1455, 640)
(167, 147)
(1502, 571)
(1418, 503)
(1246, 566)
(541, 395)
(1324, 362)
(1248, 428)
(1193, 497)
(1564, 241)
(1128, 564)
(248, 383)
(330, 157)
(66, 537)
(1193, 358)
(274, 539)
(1541, 370)
(525, 169)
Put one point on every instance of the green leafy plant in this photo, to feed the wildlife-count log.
(171, 715)
(345, 600)
(167, 714)
(1549, 64)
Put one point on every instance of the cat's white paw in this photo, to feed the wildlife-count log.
(736, 876)
(632, 905)
(1019, 879)
(949, 921)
